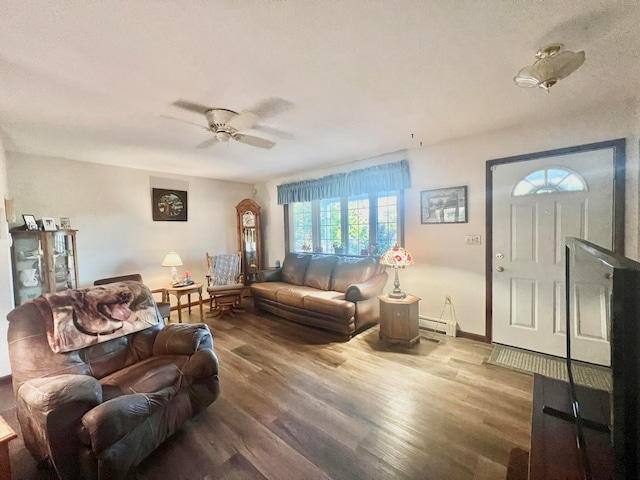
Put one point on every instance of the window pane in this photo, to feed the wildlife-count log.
(387, 228)
(524, 188)
(358, 216)
(555, 176)
(572, 183)
(551, 180)
(302, 226)
(537, 178)
(330, 224)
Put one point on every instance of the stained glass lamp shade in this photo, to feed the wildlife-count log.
(396, 258)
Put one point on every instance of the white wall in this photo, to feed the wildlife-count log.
(444, 264)
(111, 209)
(6, 287)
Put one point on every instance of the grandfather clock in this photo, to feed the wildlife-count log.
(249, 239)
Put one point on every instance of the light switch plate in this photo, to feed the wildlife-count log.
(473, 239)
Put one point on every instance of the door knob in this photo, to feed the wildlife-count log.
(500, 269)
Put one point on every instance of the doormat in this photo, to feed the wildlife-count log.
(586, 374)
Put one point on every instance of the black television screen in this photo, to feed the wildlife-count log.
(599, 279)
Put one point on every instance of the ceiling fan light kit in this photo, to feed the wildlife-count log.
(227, 125)
(552, 65)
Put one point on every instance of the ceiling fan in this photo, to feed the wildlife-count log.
(228, 125)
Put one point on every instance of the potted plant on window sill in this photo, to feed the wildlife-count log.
(339, 248)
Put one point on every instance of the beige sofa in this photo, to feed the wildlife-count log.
(332, 292)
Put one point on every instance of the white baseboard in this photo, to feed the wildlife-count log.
(448, 327)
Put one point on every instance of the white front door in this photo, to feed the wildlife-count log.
(536, 204)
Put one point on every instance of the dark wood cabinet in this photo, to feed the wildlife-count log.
(43, 262)
(554, 452)
(249, 239)
(399, 320)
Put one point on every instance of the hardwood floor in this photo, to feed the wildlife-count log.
(296, 404)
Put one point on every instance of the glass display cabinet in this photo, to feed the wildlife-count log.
(249, 239)
(43, 262)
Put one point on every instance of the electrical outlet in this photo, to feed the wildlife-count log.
(447, 299)
(473, 239)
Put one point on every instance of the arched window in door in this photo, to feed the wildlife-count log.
(550, 180)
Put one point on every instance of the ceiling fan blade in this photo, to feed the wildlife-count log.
(185, 121)
(191, 106)
(207, 143)
(274, 131)
(271, 106)
(243, 121)
(253, 141)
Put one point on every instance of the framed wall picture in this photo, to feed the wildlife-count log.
(169, 205)
(444, 205)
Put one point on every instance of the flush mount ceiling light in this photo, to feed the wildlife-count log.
(552, 65)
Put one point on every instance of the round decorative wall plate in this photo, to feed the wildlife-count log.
(169, 205)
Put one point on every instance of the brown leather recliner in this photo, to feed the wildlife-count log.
(98, 411)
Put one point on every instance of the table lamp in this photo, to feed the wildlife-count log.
(396, 258)
(173, 260)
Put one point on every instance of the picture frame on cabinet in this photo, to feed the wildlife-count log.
(65, 223)
(30, 222)
(49, 224)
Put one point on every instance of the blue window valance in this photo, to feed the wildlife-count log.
(378, 178)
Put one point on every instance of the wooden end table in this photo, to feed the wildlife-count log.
(178, 292)
(399, 322)
(6, 435)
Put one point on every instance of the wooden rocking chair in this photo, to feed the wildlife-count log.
(224, 283)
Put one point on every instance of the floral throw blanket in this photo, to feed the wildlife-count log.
(92, 315)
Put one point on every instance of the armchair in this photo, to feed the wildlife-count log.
(96, 411)
(224, 283)
(164, 305)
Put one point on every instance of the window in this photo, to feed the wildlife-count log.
(387, 224)
(330, 224)
(550, 180)
(361, 224)
(302, 226)
(358, 223)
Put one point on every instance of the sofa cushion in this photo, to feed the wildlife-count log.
(347, 272)
(330, 303)
(294, 268)
(267, 289)
(294, 295)
(319, 271)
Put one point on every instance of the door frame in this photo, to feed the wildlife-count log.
(618, 230)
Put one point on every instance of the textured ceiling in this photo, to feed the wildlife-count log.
(95, 81)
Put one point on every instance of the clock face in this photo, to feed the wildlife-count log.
(248, 219)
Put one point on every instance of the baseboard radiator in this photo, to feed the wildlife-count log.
(447, 327)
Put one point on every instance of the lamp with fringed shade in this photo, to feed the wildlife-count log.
(396, 258)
